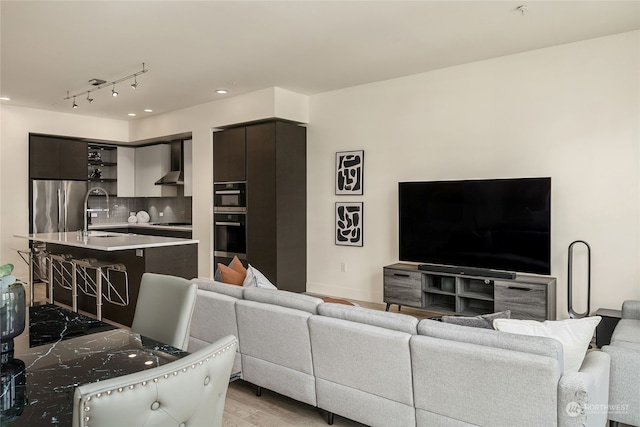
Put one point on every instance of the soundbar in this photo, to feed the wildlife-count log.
(468, 271)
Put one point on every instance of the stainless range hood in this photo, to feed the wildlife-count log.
(176, 175)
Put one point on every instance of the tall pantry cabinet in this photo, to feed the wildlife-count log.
(276, 200)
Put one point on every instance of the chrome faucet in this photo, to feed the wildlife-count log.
(85, 230)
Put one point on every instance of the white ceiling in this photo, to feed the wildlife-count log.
(192, 48)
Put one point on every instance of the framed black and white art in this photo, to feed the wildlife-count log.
(349, 172)
(349, 226)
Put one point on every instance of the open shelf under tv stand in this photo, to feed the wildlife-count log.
(528, 296)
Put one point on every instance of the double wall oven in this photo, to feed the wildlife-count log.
(230, 220)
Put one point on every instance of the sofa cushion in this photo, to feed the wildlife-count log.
(283, 298)
(542, 346)
(574, 334)
(219, 287)
(395, 321)
(482, 321)
(627, 330)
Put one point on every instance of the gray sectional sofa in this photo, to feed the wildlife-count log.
(388, 369)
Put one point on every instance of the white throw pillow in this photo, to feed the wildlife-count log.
(255, 278)
(574, 334)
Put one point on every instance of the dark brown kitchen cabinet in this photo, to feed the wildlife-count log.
(57, 158)
(229, 155)
(276, 202)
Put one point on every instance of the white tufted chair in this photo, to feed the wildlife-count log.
(164, 309)
(187, 392)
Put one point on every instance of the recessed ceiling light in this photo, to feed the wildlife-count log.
(5, 98)
(222, 91)
(148, 110)
(132, 114)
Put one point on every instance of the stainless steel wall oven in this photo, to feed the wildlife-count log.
(230, 235)
(230, 220)
(230, 197)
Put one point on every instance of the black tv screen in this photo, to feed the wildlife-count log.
(497, 224)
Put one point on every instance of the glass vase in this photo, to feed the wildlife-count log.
(12, 315)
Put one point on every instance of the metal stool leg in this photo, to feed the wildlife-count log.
(99, 293)
(51, 280)
(74, 286)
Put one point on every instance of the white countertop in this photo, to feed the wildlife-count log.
(107, 241)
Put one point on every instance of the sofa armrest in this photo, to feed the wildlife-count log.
(631, 309)
(624, 393)
(583, 396)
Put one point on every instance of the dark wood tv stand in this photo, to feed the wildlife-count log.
(527, 296)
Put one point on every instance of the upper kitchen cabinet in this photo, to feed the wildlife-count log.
(277, 202)
(153, 162)
(187, 153)
(126, 186)
(229, 155)
(57, 158)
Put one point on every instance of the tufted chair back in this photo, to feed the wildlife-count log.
(187, 392)
(164, 309)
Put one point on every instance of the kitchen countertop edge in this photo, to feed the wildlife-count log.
(108, 242)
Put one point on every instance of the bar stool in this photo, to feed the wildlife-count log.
(60, 266)
(95, 287)
(37, 258)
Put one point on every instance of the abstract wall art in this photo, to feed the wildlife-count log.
(349, 172)
(349, 226)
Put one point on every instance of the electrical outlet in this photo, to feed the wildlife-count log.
(94, 215)
(343, 267)
(161, 213)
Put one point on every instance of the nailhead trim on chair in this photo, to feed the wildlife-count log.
(87, 408)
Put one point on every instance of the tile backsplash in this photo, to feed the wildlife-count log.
(173, 209)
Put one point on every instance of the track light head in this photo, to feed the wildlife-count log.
(134, 85)
(74, 105)
(89, 99)
(113, 91)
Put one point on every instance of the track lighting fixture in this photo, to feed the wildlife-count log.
(99, 84)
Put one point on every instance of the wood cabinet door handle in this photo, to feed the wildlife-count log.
(519, 289)
(400, 275)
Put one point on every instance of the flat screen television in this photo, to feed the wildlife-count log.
(495, 224)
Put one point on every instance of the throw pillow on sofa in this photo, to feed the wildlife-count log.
(230, 276)
(255, 278)
(574, 335)
(482, 321)
(235, 265)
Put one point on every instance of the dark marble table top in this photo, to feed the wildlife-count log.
(60, 350)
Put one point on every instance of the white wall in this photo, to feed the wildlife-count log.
(570, 112)
(17, 123)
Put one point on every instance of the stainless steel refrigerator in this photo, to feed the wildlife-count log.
(57, 205)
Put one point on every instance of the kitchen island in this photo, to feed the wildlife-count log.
(137, 253)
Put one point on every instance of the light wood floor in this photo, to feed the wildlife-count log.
(244, 409)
